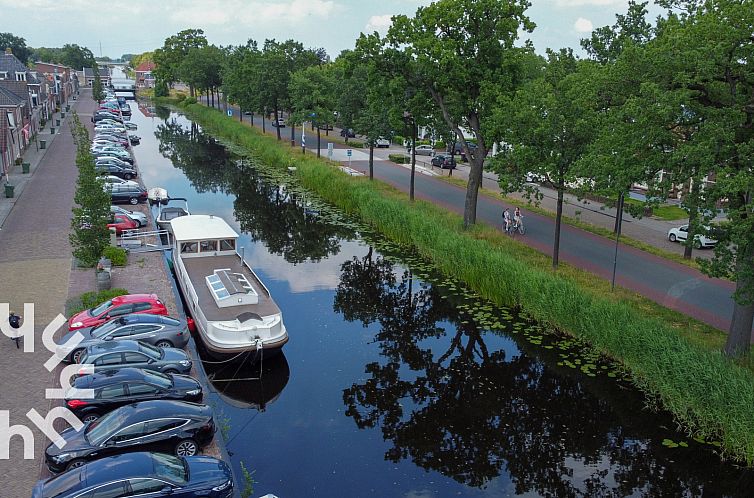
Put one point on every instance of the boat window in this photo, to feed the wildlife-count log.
(208, 245)
(228, 244)
(188, 247)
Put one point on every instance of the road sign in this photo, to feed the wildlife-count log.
(329, 150)
(230, 112)
(349, 152)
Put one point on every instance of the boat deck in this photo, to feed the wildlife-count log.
(200, 268)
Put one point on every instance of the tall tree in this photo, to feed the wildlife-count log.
(462, 53)
(547, 128)
(16, 44)
(98, 93)
(176, 47)
(313, 97)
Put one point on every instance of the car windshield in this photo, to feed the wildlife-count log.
(106, 328)
(102, 428)
(158, 379)
(151, 351)
(100, 309)
(170, 468)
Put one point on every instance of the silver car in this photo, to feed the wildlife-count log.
(138, 217)
(157, 330)
(425, 150)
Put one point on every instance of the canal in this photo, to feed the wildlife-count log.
(399, 382)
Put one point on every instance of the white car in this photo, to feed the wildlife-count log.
(425, 150)
(681, 234)
(112, 180)
(106, 127)
(382, 142)
(138, 217)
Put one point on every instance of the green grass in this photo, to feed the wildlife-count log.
(672, 358)
(663, 211)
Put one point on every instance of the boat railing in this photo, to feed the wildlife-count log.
(247, 265)
(146, 241)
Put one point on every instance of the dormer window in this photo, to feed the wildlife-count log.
(3, 75)
(20, 76)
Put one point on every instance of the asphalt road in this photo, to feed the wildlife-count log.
(668, 283)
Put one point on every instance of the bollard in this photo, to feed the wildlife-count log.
(52, 130)
(25, 167)
(9, 190)
(43, 144)
(57, 122)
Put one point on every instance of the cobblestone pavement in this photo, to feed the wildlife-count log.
(35, 261)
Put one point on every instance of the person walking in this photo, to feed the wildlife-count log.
(15, 322)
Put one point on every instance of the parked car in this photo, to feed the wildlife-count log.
(110, 121)
(458, 148)
(101, 143)
(106, 126)
(117, 388)
(158, 330)
(135, 139)
(424, 150)
(138, 217)
(113, 160)
(130, 126)
(116, 307)
(123, 157)
(132, 194)
(444, 161)
(110, 355)
(348, 133)
(142, 474)
(125, 109)
(114, 180)
(681, 234)
(105, 138)
(382, 142)
(122, 223)
(279, 122)
(177, 426)
(99, 116)
(115, 170)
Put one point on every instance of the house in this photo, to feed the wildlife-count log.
(14, 128)
(144, 76)
(104, 76)
(62, 80)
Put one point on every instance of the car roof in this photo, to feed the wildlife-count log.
(99, 379)
(105, 347)
(133, 298)
(163, 408)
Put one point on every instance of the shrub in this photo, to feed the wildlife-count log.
(180, 97)
(92, 298)
(398, 139)
(188, 100)
(399, 158)
(440, 145)
(19, 161)
(356, 145)
(117, 255)
(423, 142)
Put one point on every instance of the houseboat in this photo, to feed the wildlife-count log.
(233, 310)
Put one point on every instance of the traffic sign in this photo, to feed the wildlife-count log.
(349, 152)
(230, 112)
(329, 150)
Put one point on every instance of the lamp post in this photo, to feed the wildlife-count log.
(409, 120)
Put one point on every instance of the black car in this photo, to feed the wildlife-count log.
(110, 355)
(115, 388)
(444, 161)
(112, 169)
(458, 148)
(142, 474)
(174, 426)
(348, 133)
(125, 109)
(132, 194)
(135, 139)
(118, 155)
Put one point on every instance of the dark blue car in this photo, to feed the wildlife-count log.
(147, 475)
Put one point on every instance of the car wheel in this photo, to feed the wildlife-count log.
(170, 371)
(186, 447)
(75, 463)
(90, 417)
(164, 344)
(76, 356)
(672, 237)
(697, 244)
(127, 176)
(133, 200)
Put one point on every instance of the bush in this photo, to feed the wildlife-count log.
(117, 255)
(440, 145)
(180, 97)
(423, 142)
(398, 139)
(399, 158)
(19, 161)
(356, 145)
(91, 299)
(187, 100)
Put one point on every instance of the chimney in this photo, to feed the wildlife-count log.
(9, 51)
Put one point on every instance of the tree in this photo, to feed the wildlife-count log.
(16, 44)
(462, 53)
(241, 77)
(703, 55)
(608, 42)
(176, 47)
(98, 92)
(547, 129)
(313, 97)
(91, 214)
(70, 55)
(202, 68)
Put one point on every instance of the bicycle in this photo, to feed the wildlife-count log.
(518, 226)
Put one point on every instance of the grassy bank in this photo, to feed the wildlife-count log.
(670, 357)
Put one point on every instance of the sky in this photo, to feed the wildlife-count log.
(135, 26)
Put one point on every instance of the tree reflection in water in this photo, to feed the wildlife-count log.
(266, 210)
(450, 405)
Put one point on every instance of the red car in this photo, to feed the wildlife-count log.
(122, 223)
(117, 306)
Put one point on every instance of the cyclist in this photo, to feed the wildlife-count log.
(506, 221)
(15, 322)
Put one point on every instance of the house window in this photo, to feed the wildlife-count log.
(3, 75)
(11, 120)
(20, 76)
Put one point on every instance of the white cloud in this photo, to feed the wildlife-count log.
(379, 23)
(218, 12)
(581, 3)
(583, 25)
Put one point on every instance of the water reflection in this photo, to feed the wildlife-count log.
(266, 210)
(250, 386)
(449, 398)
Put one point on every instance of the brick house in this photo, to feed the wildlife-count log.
(14, 128)
(104, 76)
(62, 79)
(144, 76)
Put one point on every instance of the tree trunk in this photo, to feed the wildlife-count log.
(240, 114)
(264, 130)
(371, 160)
(413, 160)
(318, 141)
(693, 217)
(212, 96)
(277, 123)
(472, 188)
(191, 91)
(558, 220)
(293, 134)
(739, 334)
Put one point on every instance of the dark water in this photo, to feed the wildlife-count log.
(398, 382)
